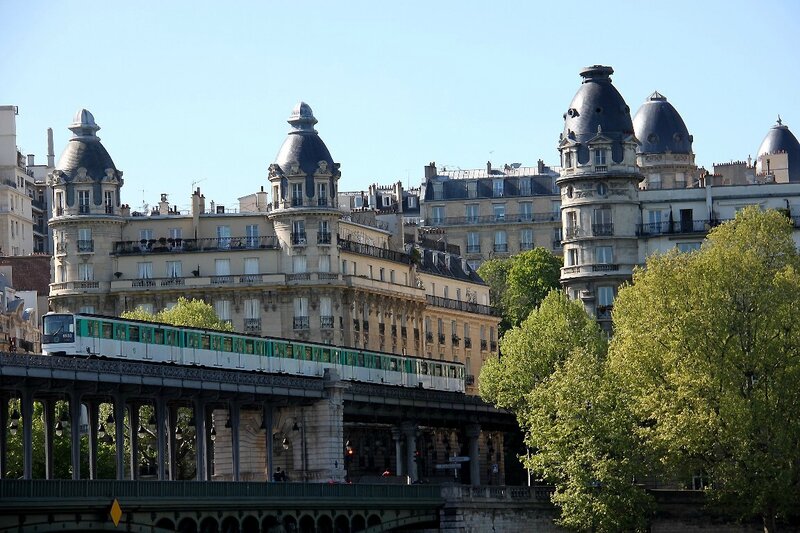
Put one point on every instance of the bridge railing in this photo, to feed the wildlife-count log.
(540, 493)
(61, 489)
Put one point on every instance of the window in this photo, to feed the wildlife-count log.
(223, 309)
(175, 233)
(571, 224)
(86, 309)
(222, 267)
(602, 189)
(224, 237)
(174, 269)
(326, 312)
(572, 257)
(437, 214)
(251, 266)
(600, 156)
(252, 308)
(299, 264)
(85, 272)
(391, 276)
(654, 181)
(83, 201)
(301, 313)
(472, 189)
(499, 211)
(567, 159)
(412, 202)
(473, 242)
(324, 232)
(381, 274)
(147, 308)
(524, 186)
(85, 243)
(602, 222)
(322, 194)
(251, 232)
(555, 209)
(500, 242)
(297, 194)
(603, 255)
(497, 188)
(526, 239)
(680, 180)
(145, 270)
(146, 234)
(525, 211)
(325, 263)
(654, 222)
(387, 201)
(605, 296)
(688, 246)
(472, 213)
(298, 232)
(108, 201)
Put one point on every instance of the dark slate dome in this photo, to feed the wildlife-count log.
(660, 128)
(597, 106)
(780, 139)
(85, 150)
(303, 146)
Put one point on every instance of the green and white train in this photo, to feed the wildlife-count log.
(91, 335)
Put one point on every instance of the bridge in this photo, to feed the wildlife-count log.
(247, 424)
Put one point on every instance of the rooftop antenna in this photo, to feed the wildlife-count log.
(144, 205)
(195, 182)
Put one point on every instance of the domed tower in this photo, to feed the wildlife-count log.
(665, 154)
(779, 155)
(86, 219)
(599, 184)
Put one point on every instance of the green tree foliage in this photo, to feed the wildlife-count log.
(518, 285)
(193, 313)
(708, 347)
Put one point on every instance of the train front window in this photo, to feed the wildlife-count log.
(58, 328)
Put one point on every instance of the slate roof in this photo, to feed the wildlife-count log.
(448, 265)
(660, 128)
(780, 139)
(85, 150)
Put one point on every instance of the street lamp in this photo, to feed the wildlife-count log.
(141, 432)
(14, 425)
(101, 430)
(213, 433)
(178, 433)
(59, 428)
(285, 443)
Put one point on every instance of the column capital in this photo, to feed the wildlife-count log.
(472, 431)
(409, 428)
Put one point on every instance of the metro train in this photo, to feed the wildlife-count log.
(92, 335)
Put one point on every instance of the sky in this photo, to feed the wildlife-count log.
(197, 93)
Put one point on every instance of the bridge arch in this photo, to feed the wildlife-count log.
(230, 524)
(166, 524)
(357, 523)
(342, 523)
(289, 523)
(269, 523)
(209, 525)
(250, 524)
(187, 525)
(324, 524)
(373, 521)
(307, 524)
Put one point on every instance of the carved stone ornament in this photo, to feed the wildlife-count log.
(322, 167)
(82, 176)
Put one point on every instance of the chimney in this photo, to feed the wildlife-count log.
(540, 166)
(488, 167)
(30, 160)
(430, 170)
(398, 193)
(261, 200)
(198, 205)
(163, 205)
(51, 157)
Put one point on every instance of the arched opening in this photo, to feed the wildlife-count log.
(289, 523)
(373, 520)
(341, 524)
(324, 524)
(209, 525)
(270, 524)
(230, 525)
(250, 524)
(357, 523)
(187, 525)
(166, 523)
(307, 524)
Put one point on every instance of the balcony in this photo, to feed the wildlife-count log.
(501, 247)
(252, 325)
(469, 379)
(679, 227)
(222, 280)
(507, 218)
(484, 345)
(299, 238)
(78, 286)
(604, 312)
(59, 211)
(604, 267)
(441, 338)
(300, 322)
(526, 246)
(557, 244)
(601, 168)
(109, 210)
(170, 245)
(454, 339)
(602, 230)
(458, 305)
(301, 276)
(493, 346)
(473, 248)
(572, 232)
(250, 278)
(324, 238)
(373, 251)
(83, 209)
(86, 246)
(428, 337)
(142, 283)
(297, 201)
(467, 342)
(326, 322)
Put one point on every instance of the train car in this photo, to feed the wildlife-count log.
(91, 335)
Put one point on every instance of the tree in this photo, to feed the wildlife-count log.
(518, 284)
(707, 345)
(193, 313)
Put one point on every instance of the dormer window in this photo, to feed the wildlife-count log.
(83, 202)
(322, 194)
(599, 156)
(297, 194)
(497, 188)
(568, 159)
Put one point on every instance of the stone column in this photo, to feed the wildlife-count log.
(49, 409)
(233, 414)
(409, 430)
(210, 451)
(267, 423)
(200, 438)
(472, 432)
(322, 426)
(119, 434)
(75, 432)
(161, 437)
(398, 452)
(27, 433)
(3, 426)
(133, 409)
(92, 408)
(172, 442)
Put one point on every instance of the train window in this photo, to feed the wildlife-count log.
(249, 346)
(259, 348)
(308, 353)
(408, 364)
(108, 330)
(351, 358)
(378, 361)
(94, 328)
(393, 364)
(438, 370)
(325, 355)
(158, 336)
(423, 368)
(147, 335)
(337, 357)
(360, 359)
(133, 333)
(205, 342)
(227, 344)
(168, 337)
(280, 349)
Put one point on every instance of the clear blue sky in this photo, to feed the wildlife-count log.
(195, 90)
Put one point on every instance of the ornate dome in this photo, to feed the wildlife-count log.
(660, 128)
(303, 146)
(780, 139)
(84, 150)
(597, 108)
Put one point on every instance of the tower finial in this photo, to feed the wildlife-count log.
(780, 122)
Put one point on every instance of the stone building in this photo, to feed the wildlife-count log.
(289, 263)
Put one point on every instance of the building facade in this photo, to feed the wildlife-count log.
(288, 264)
